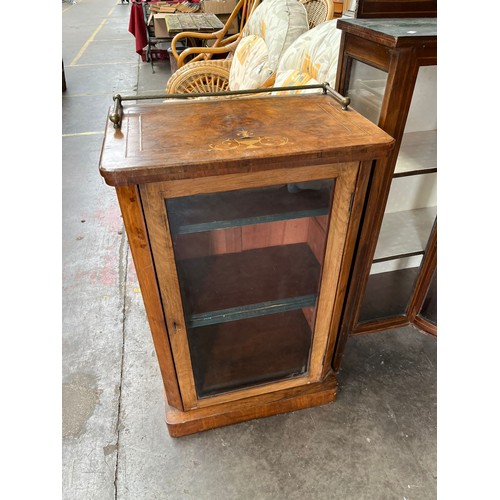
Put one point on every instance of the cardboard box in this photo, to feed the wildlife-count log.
(218, 6)
(160, 26)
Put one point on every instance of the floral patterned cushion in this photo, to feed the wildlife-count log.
(294, 77)
(313, 56)
(271, 29)
(249, 68)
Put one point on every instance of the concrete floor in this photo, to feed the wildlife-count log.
(377, 441)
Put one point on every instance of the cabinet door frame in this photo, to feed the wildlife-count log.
(428, 266)
(330, 293)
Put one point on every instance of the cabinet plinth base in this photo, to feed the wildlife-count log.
(182, 423)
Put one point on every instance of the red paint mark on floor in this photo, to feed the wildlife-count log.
(109, 217)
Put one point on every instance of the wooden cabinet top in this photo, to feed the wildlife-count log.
(392, 32)
(195, 138)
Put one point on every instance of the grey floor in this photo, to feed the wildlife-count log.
(377, 441)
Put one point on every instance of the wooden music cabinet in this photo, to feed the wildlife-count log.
(242, 232)
(388, 68)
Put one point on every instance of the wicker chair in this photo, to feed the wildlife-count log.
(241, 12)
(318, 11)
(213, 76)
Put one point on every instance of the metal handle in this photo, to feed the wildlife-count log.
(116, 115)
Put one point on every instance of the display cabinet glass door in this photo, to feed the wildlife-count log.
(249, 266)
(411, 208)
(252, 276)
(366, 89)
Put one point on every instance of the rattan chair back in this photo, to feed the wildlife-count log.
(218, 39)
(318, 11)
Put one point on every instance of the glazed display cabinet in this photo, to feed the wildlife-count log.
(242, 235)
(388, 68)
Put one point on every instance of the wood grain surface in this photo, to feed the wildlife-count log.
(179, 140)
(263, 405)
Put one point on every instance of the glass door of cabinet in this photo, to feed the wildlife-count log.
(366, 89)
(249, 267)
(411, 209)
(241, 273)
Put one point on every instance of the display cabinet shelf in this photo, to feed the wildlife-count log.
(235, 209)
(251, 311)
(417, 154)
(410, 192)
(220, 288)
(256, 350)
(403, 233)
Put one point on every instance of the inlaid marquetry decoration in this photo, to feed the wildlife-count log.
(248, 141)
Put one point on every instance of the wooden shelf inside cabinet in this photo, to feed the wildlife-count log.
(244, 353)
(417, 154)
(243, 274)
(287, 276)
(404, 233)
(208, 212)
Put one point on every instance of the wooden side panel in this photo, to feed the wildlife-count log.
(329, 299)
(274, 233)
(226, 241)
(205, 243)
(396, 8)
(130, 205)
(161, 244)
(242, 238)
(367, 51)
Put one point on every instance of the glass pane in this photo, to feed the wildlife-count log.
(396, 266)
(249, 266)
(418, 149)
(412, 204)
(429, 307)
(389, 288)
(410, 211)
(366, 89)
(409, 216)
